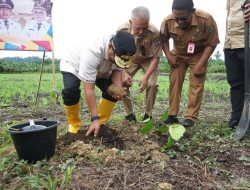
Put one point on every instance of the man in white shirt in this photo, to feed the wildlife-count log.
(100, 64)
(38, 27)
(10, 30)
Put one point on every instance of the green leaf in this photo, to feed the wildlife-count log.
(244, 158)
(170, 143)
(162, 129)
(53, 93)
(165, 115)
(147, 127)
(176, 131)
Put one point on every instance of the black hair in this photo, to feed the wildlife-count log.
(187, 5)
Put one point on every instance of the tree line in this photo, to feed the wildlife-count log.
(33, 64)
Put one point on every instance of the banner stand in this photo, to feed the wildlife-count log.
(39, 83)
(53, 68)
(41, 72)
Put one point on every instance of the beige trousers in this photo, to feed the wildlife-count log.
(150, 91)
(196, 87)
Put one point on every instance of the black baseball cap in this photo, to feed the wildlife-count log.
(124, 47)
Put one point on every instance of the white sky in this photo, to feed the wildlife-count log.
(82, 20)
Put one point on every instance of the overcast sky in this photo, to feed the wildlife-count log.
(80, 20)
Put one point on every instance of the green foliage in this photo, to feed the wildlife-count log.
(22, 88)
(30, 64)
(164, 66)
(210, 133)
(4, 162)
(51, 184)
(67, 178)
(176, 131)
(165, 115)
(216, 66)
(147, 127)
(170, 143)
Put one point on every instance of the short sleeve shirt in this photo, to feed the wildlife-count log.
(202, 31)
(234, 37)
(148, 46)
(13, 28)
(11, 32)
(33, 32)
(89, 63)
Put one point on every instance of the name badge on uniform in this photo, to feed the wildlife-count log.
(191, 47)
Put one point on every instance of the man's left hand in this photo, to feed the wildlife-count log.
(143, 84)
(94, 128)
(199, 69)
(117, 92)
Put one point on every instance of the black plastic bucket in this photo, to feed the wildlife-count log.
(37, 144)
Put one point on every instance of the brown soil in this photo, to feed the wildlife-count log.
(123, 158)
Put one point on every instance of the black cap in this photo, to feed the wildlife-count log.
(124, 44)
(6, 4)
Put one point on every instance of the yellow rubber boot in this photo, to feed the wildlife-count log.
(105, 108)
(73, 117)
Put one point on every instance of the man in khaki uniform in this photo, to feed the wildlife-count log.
(195, 36)
(148, 52)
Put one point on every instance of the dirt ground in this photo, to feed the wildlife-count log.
(123, 158)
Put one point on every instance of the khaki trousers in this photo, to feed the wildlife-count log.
(150, 91)
(196, 87)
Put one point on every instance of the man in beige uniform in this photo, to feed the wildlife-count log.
(148, 52)
(195, 36)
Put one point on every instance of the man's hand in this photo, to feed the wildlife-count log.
(94, 128)
(173, 61)
(246, 9)
(126, 79)
(117, 92)
(143, 84)
(199, 69)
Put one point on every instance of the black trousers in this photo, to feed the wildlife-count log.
(234, 62)
(71, 93)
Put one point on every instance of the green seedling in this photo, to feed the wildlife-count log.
(147, 127)
(176, 131)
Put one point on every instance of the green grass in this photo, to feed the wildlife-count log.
(17, 90)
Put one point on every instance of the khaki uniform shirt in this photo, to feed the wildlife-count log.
(235, 25)
(148, 46)
(202, 31)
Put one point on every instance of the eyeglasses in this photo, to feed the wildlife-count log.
(181, 18)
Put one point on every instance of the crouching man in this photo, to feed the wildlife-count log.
(99, 65)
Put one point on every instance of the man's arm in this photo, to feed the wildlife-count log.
(212, 39)
(247, 12)
(116, 77)
(201, 66)
(89, 91)
(144, 81)
(164, 34)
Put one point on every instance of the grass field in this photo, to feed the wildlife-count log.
(206, 157)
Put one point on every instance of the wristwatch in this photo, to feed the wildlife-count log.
(95, 117)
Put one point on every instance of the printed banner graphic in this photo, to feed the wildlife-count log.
(25, 25)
